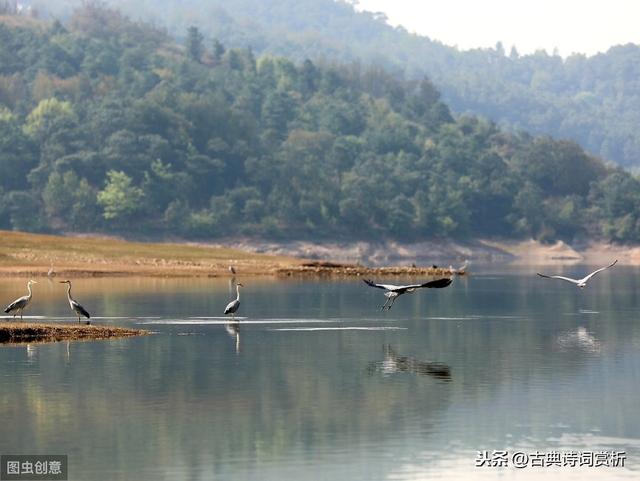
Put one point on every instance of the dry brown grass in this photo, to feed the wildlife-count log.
(23, 254)
(22, 332)
(322, 269)
(33, 254)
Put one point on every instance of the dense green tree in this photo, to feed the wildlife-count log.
(195, 44)
(121, 200)
(69, 202)
(130, 134)
(592, 100)
(17, 153)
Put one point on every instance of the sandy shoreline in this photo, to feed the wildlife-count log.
(445, 253)
(34, 255)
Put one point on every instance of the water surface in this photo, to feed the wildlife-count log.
(316, 383)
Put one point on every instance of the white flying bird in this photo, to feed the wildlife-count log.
(580, 282)
(393, 292)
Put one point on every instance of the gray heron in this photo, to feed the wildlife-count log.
(581, 283)
(21, 303)
(234, 305)
(75, 307)
(393, 292)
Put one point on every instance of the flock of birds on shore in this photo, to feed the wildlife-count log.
(392, 292)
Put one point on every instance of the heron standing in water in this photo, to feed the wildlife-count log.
(21, 303)
(75, 307)
(234, 305)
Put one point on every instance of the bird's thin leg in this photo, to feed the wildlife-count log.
(392, 301)
(385, 304)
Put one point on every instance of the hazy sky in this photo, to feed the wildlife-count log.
(586, 26)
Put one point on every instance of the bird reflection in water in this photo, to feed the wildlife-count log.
(233, 329)
(393, 364)
(579, 339)
(31, 352)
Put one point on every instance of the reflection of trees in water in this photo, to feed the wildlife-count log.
(200, 402)
(171, 400)
(393, 364)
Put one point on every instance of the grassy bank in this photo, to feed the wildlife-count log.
(23, 254)
(22, 332)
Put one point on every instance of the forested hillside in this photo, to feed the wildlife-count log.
(107, 125)
(595, 101)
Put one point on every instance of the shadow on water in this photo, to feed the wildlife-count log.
(393, 364)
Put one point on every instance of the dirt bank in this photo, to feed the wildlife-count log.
(14, 332)
(35, 255)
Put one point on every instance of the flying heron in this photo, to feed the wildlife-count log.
(581, 283)
(75, 307)
(234, 305)
(21, 303)
(393, 292)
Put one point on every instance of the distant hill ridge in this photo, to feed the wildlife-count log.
(108, 125)
(592, 100)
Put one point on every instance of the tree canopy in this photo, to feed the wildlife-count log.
(107, 125)
(592, 100)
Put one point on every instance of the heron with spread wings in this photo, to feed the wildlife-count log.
(581, 283)
(393, 291)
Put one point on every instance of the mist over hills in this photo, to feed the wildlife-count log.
(592, 100)
(108, 125)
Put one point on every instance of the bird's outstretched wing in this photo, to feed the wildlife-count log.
(438, 283)
(81, 310)
(568, 279)
(386, 287)
(599, 270)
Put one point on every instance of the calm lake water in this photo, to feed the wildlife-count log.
(318, 384)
